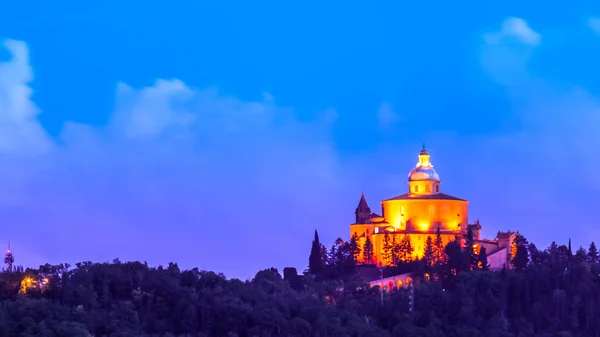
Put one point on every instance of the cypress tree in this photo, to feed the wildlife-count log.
(438, 247)
(315, 260)
(406, 249)
(428, 253)
(394, 251)
(482, 260)
(521, 258)
(387, 248)
(570, 250)
(469, 251)
(355, 247)
(368, 250)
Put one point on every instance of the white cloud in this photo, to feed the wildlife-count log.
(552, 151)
(514, 29)
(20, 133)
(179, 174)
(506, 54)
(594, 24)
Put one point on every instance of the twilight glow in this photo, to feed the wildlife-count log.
(173, 136)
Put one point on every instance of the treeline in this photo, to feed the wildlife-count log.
(342, 259)
(550, 292)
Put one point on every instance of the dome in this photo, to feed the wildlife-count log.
(423, 173)
(424, 170)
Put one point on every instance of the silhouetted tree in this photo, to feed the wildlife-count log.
(570, 250)
(581, 254)
(387, 248)
(438, 247)
(368, 250)
(469, 250)
(406, 250)
(482, 260)
(456, 261)
(592, 253)
(428, 252)
(354, 247)
(394, 250)
(315, 261)
(521, 259)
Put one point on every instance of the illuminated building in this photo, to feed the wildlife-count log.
(419, 214)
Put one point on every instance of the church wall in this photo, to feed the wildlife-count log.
(499, 259)
(425, 215)
(418, 241)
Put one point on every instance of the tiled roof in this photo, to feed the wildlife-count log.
(413, 196)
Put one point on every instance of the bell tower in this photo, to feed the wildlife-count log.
(363, 211)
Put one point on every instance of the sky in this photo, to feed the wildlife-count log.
(220, 135)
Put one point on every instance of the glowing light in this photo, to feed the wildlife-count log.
(423, 226)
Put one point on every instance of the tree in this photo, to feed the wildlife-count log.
(368, 250)
(315, 261)
(519, 252)
(438, 247)
(456, 259)
(592, 253)
(428, 252)
(405, 250)
(570, 250)
(581, 254)
(324, 256)
(394, 251)
(482, 261)
(521, 258)
(355, 247)
(387, 249)
(518, 241)
(469, 250)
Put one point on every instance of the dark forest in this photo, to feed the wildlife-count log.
(544, 292)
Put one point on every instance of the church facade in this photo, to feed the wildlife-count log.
(420, 213)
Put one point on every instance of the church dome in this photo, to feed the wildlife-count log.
(422, 173)
(424, 170)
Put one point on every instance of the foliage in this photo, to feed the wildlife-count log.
(315, 261)
(554, 294)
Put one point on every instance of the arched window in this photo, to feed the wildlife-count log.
(437, 188)
(391, 286)
(416, 188)
(399, 284)
(428, 188)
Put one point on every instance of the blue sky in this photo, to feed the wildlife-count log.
(172, 132)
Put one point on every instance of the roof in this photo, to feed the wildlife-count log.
(413, 196)
(362, 204)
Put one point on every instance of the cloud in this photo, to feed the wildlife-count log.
(594, 24)
(514, 29)
(552, 182)
(19, 129)
(178, 174)
(386, 116)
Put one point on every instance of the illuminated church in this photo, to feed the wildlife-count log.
(419, 213)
